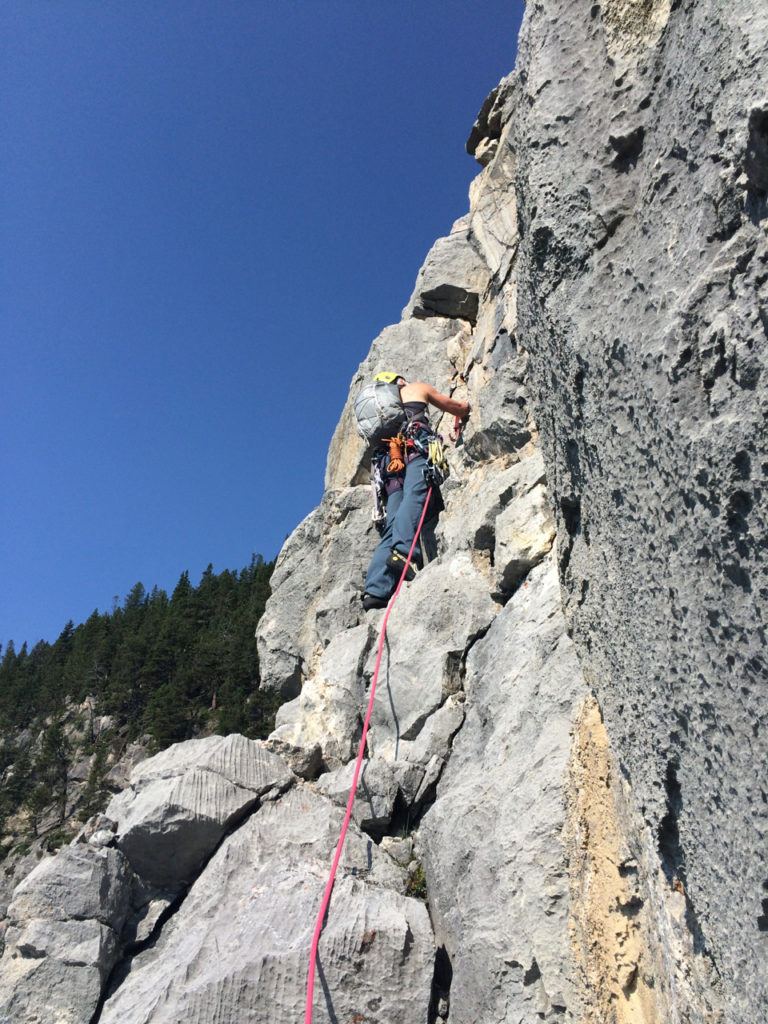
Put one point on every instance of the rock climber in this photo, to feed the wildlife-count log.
(405, 492)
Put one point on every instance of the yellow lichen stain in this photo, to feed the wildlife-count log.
(608, 926)
(633, 24)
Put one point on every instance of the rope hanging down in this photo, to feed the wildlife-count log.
(350, 802)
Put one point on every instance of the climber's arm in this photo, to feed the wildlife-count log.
(443, 402)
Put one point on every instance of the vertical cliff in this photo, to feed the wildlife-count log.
(562, 808)
(642, 142)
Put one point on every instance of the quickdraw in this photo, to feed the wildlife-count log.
(437, 469)
(455, 434)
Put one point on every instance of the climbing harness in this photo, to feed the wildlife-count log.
(358, 764)
(393, 453)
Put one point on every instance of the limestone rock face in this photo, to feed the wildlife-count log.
(503, 510)
(181, 802)
(317, 582)
(327, 712)
(238, 947)
(63, 936)
(566, 753)
(417, 676)
(452, 280)
(499, 813)
(643, 303)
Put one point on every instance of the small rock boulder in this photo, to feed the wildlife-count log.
(181, 802)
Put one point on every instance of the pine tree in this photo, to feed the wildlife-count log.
(96, 790)
(174, 667)
(52, 767)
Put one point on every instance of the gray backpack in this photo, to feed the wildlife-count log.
(379, 411)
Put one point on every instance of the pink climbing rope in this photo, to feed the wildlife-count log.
(350, 802)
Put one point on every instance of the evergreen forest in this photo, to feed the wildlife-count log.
(159, 667)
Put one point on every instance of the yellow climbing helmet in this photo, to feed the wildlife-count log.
(388, 378)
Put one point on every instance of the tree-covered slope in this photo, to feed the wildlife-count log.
(163, 668)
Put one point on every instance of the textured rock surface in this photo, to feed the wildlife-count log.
(638, 956)
(496, 824)
(503, 510)
(417, 675)
(644, 305)
(62, 940)
(575, 779)
(452, 280)
(317, 582)
(181, 802)
(237, 950)
(327, 711)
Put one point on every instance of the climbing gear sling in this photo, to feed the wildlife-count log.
(377, 492)
(353, 790)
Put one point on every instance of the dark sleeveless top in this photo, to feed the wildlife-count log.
(417, 412)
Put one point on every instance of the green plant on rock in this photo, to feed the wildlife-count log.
(417, 883)
(58, 839)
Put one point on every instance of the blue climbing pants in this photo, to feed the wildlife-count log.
(404, 508)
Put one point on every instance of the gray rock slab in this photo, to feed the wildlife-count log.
(62, 938)
(181, 802)
(448, 600)
(501, 419)
(495, 113)
(525, 533)
(452, 280)
(329, 710)
(431, 748)
(477, 500)
(399, 849)
(79, 882)
(316, 585)
(306, 762)
(238, 948)
(436, 738)
(501, 507)
(44, 990)
(379, 784)
(493, 220)
(376, 792)
(495, 865)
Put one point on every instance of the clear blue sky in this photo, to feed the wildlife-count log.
(210, 208)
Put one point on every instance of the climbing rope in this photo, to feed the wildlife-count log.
(397, 448)
(350, 802)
